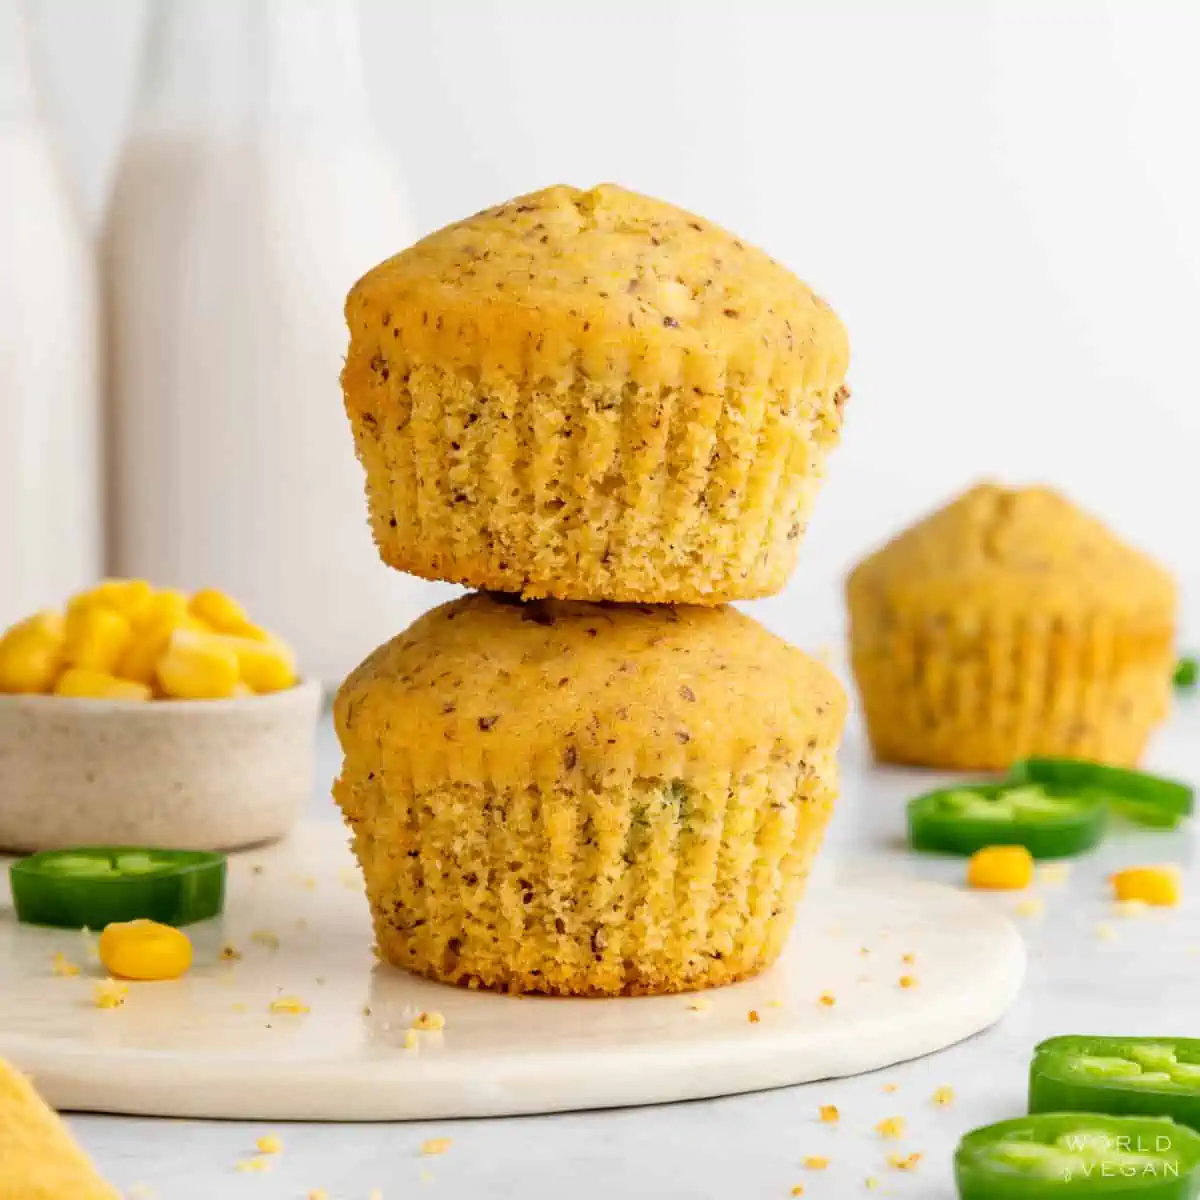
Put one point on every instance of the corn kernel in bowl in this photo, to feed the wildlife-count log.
(31, 653)
(125, 640)
(97, 685)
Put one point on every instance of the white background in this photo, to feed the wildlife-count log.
(1002, 200)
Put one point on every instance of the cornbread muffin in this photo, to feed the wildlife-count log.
(586, 800)
(1010, 624)
(592, 395)
(39, 1160)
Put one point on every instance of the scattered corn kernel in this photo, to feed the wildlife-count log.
(830, 1114)
(251, 1166)
(871, 1183)
(218, 609)
(798, 1190)
(431, 1021)
(436, 1146)
(230, 953)
(108, 993)
(96, 638)
(269, 1143)
(943, 1097)
(891, 1088)
(908, 958)
(1054, 874)
(288, 1004)
(904, 1162)
(411, 1041)
(97, 685)
(60, 964)
(891, 1127)
(827, 999)
(318, 1194)
(1152, 885)
(753, 1017)
(907, 981)
(1004, 868)
(145, 950)
(816, 1162)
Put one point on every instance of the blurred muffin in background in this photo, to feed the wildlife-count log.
(592, 395)
(586, 799)
(1009, 624)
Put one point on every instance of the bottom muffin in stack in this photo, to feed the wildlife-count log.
(586, 799)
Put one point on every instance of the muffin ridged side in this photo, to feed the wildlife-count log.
(578, 851)
(592, 395)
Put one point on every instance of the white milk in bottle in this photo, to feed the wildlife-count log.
(251, 195)
(50, 506)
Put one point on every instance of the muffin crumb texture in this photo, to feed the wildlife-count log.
(1011, 624)
(564, 798)
(592, 395)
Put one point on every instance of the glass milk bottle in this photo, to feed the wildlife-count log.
(50, 523)
(252, 193)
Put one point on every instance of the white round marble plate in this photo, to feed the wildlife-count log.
(210, 1046)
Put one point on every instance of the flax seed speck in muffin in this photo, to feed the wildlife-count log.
(592, 395)
(586, 799)
(1011, 624)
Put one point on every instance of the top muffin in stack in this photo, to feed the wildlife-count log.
(589, 396)
(592, 395)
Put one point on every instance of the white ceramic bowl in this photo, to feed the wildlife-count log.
(199, 774)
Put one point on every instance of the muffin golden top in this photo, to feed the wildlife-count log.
(1027, 550)
(607, 282)
(487, 688)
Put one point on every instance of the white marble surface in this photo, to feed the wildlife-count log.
(1143, 978)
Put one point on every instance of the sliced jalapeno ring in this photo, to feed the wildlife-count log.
(1121, 1076)
(94, 885)
(1049, 822)
(1187, 674)
(1117, 783)
(1050, 1155)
